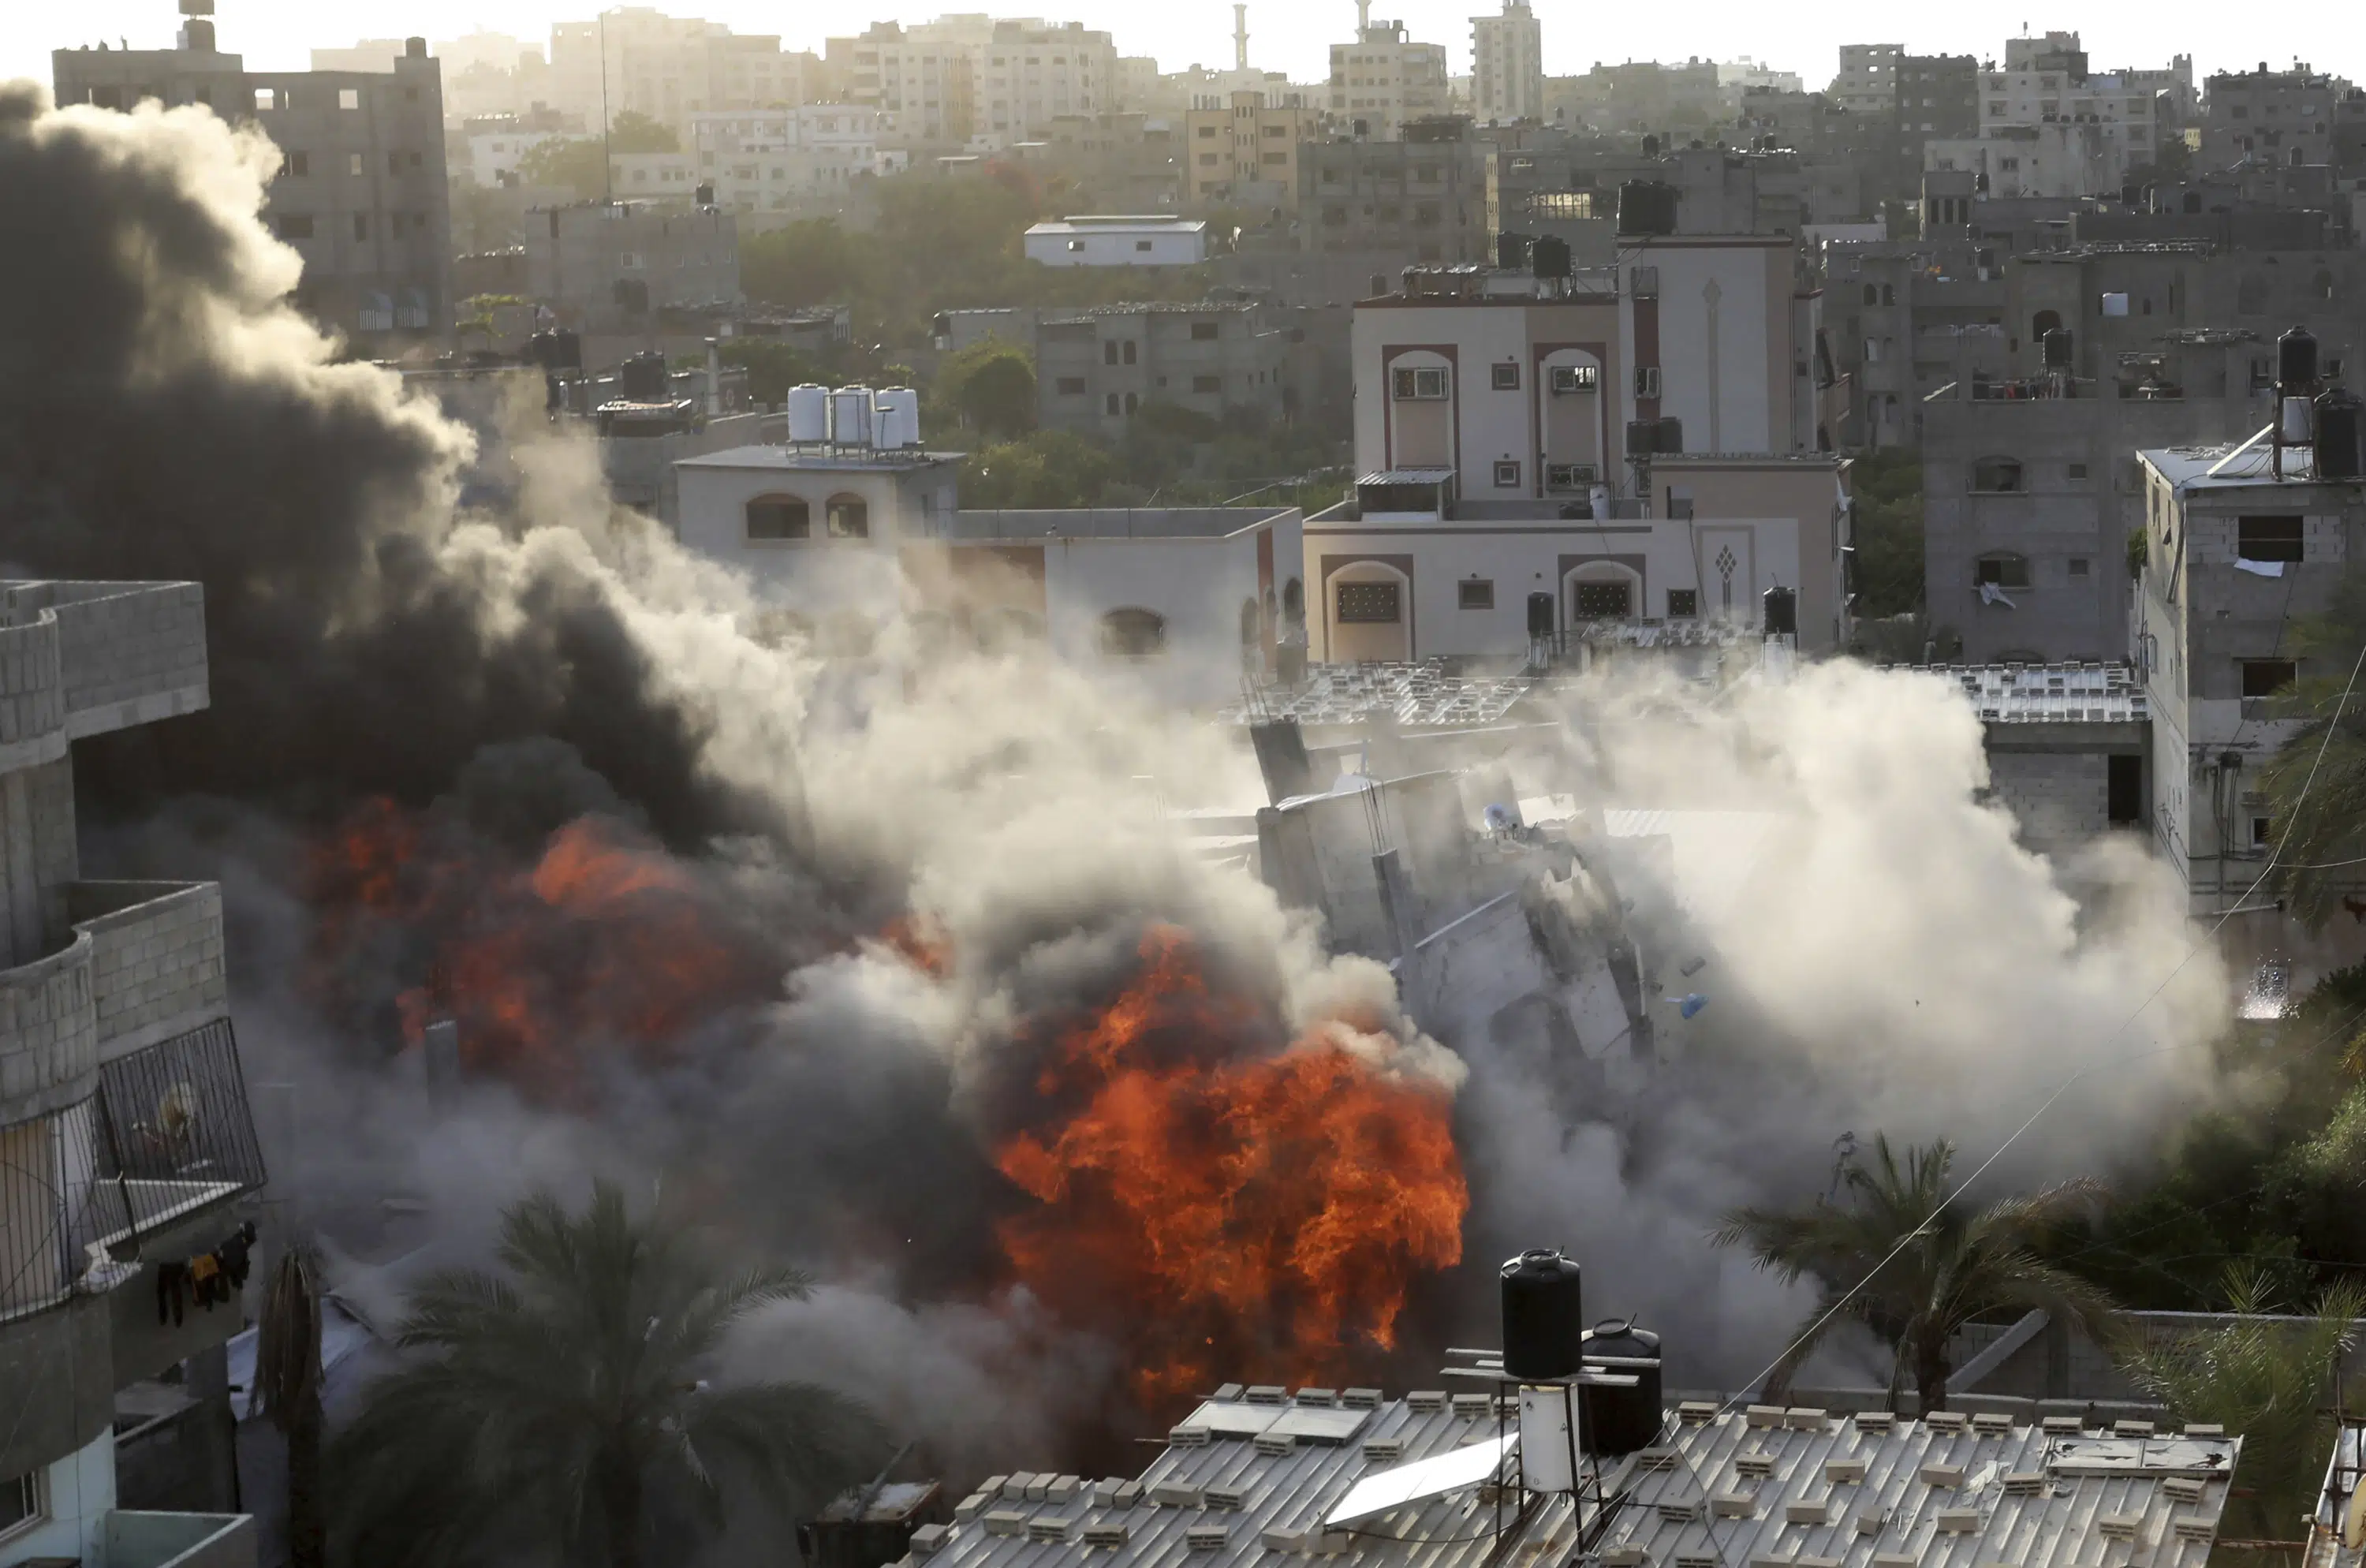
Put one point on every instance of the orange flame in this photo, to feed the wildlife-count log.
(1262, 1217)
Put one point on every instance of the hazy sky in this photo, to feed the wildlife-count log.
(277, 35)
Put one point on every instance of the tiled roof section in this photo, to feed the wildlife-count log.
(2050, 693)
(1416, 696)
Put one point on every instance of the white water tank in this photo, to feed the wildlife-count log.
(850, 416)
(899, 419)
(808, 414)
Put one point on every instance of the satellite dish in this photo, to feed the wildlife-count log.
(2353, 1520)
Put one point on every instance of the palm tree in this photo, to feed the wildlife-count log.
(288, 1381)
(2268, 1378)
(1903, 1257)
(558, 1413)
(2316, 784)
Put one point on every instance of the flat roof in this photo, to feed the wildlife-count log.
(2188, 469)
(1036, 525)
(1407, 476)
(1121, 226)
(818, 459)
(2049, 693)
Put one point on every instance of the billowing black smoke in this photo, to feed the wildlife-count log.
(162, 418)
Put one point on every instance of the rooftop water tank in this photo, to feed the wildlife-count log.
(899, 418)
(2340, 435)
(2295, 359)
(643, 378)
(1620, 1420)
(1647, 207)
(808, 413)
(1544, 1315)
(1549, 257)
(1781, 614)
(850, 416)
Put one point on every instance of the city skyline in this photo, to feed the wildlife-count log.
(280, 35)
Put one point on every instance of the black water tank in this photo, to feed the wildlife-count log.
(2057, 347)
(200, 34)
(1543, 1317)
(1511, 251)
(1549, 257)
(1540, 624)
(1642, 436)
(1621, 1421)
(1781, 613)
(2340, 435)
(1669, 440)
(1647, 207)
(558, 350)
(2295, 358)
(643, 378)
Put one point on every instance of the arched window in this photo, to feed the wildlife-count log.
(2003, 568)
(2321, 284)
(1293, 603)
(1888, 294)
(1252, 624)
(779, 517)
(850, 517)
(2043, 322)
(1134, 633)
(1997, 476)
(1871, 295)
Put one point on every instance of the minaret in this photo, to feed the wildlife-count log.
(1240, 37)
(1363, 18)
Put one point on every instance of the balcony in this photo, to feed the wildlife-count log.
(179, 1540)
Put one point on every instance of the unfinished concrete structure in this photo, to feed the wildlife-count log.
(123, 1114)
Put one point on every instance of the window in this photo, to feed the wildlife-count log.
(1075, 245)
(1207, 386)
(1507, 475)
(2268, 538)
(1645, 281)
(295, 225)
(2266, 677)
(2081, 565)
(1128, 351)
(354, 164)
(1684, 603)
(1568, 475)
(1131, 402)
(1474, 593)
(2077, 471)
(265, 100)
(1111, 406)
(1503, 377)
(849, 517)
(349, 97)
(1997, 476)
(1203, 331)
(1567, 378)
(1646, 381)
(1108, 352)
(1421, 384)
(2262, 830)
(361, 226)
(1071, 386)
(2123, 791)
(1207, 133)
(21, 1502)
(1134, 633)
(779, 517)
(298, 164)
(2002, 569)
(1611, 600)
(1368, 602)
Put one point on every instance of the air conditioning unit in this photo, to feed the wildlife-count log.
(1568, 379)
(1646, 381)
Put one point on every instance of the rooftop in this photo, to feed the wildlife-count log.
(1121, 223)
(2220, 467)
(859, 459)
(2050, 693)
(1255, 1474)
(1113, 523)
(1417, 695)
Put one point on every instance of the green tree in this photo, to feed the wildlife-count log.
(560, 1411)
(993, 386)
(1049, 468)
(575, 162)
(1885, 488)
(2319, 807)
(2271, 1379)
(812, 262)
(1914, 1264)
(772, 367)
(633, 131)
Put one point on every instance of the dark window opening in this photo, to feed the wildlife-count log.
(1605, 601)
(2123, 802)
(1134, 633)
(850, 517)
(2003, 570)
(1476, 593)
(2268, 538)
(1203, 331)
(1684, 603)
(2266, 677)
(779, 517)
(1997, 476)
(1505, 377)
(1367, 603)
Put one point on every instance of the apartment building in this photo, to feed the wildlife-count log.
(1384, 81)
(632, 59)
(1244, 149)
(1868, 83)
(607, 267)
(2271, 116)
(977, 79)
(1507, 65)
(1938, 96)
(769, 160)
(130, 1147)
(1095, 369)
(361, 193)
(2049, 127)
(1423, 198)
(2232, 555)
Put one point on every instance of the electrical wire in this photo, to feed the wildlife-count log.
(1817, 1325)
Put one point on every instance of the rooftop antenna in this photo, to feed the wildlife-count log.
(1240, 37)
(607, 166)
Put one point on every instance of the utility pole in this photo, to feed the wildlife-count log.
(607, 168)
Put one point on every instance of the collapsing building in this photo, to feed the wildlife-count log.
(1562, 1452)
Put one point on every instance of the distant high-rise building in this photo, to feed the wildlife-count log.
(1507, 65)
(965, 78)
(1385, 79)
(1868, 80)
(636, 59)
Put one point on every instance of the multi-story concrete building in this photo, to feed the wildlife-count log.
(361, 193)
(632, 59)
(2048, 127)
(1938, 96)
(1244, 149)
(2271, 117)
(977, 79)
(1095, 369)
(1384, 81)
(606, 266)
(1868, 83)
(1507, 65)
(2232, 557)
(129, 1142)
(1639, 96)
(768, 159)
(1423, 198)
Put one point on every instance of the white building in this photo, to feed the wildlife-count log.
(668, 68)
(1181, 601)
(1118, 241)
(979, 79)
(1384, 79)
(1507, 65)
(493, 155)
(764, 160)
(2048, 127)
(1736, 78)
(653, 177)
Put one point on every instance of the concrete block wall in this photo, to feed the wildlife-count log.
(131, 653)
(37, 858)
(49, 1034)
(156, 959)
(2059, 798)
(32, 697)
(2216, 540)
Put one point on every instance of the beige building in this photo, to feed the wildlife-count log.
(1385, 79)
(1507, 65)
(978, 80)
(1235, 146)
(668, 68)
